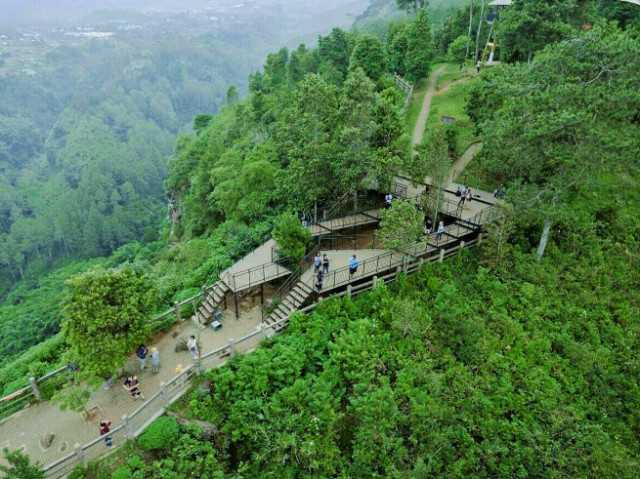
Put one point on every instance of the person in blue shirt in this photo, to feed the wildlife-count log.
(317, 262)
(353, 265)
(142, 352)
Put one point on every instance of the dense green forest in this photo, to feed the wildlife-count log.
(85, 136)
(508, 361)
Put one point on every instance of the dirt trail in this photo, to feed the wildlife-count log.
(418, 132)
(462, 162)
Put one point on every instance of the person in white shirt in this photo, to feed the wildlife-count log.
(192, 345)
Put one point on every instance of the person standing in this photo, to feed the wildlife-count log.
(478, 65)
(142, 352)
(353, 265)
(192, 345)
(317, 262)
(325, 264)
(105, 428)
(469, 195)
(441, 231)
(319, 279)
(388, 199)
(155, 360)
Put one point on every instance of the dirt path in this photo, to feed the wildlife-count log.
(462, 162)
(421, 124)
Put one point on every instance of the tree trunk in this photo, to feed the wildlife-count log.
(479, 29)
(466, 55)
(544, 238)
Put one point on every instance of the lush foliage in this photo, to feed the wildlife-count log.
(20, 466)
(291, 236)
(161, 435)
(106, 317)
(400, 226)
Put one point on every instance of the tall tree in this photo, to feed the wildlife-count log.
(419, 47)
(106, 317)
(369, 55)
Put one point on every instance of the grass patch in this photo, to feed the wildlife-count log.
(452, 103)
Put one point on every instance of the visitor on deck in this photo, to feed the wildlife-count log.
(319, 279)
(325, 264)
(441, 231)
(192, 346)
(353, 265)
(469, 195)
(388, 199)
(428, 226)
(155, 360)
(142, 352)
(463, 196)
(317, 262)
(105, 428)
(132, 385)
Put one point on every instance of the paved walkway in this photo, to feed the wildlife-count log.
(24, 429)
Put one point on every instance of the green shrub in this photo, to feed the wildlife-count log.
(160, 435)
(291, 236)
(122, 472)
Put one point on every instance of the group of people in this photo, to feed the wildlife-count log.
(320, 268)
(465, 194)
(439, 232)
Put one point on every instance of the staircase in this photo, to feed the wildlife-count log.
(213, 298)
(289, 304)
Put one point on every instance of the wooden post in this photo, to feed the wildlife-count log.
(480, 239)
(262, 294)
(178, 312)
(231, 347)
(462, 245)
(375, 281)
(349, 290)
(355, 201)
(235, 302)
(34, 388)
(441, 258)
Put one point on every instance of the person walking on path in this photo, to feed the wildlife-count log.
(317, 262)
(142, 352)
(105, 428)
(132, 385)
(192, 345)
(353, 265)
(441, 231)
(325, 264)
(469, 195)
(155, 360)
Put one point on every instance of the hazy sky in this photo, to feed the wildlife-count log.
(14, 12)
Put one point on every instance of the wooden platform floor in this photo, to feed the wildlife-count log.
(254, 269)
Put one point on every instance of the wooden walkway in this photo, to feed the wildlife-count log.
(337, 224)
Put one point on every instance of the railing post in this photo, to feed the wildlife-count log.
(178, 312)
(462, 245)
(480, 239)
(164, 394)
(231, 347)
(441, 257)
(375, 281)
(34, 388)
(128, 432)
(80, 456)
(349, 290)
